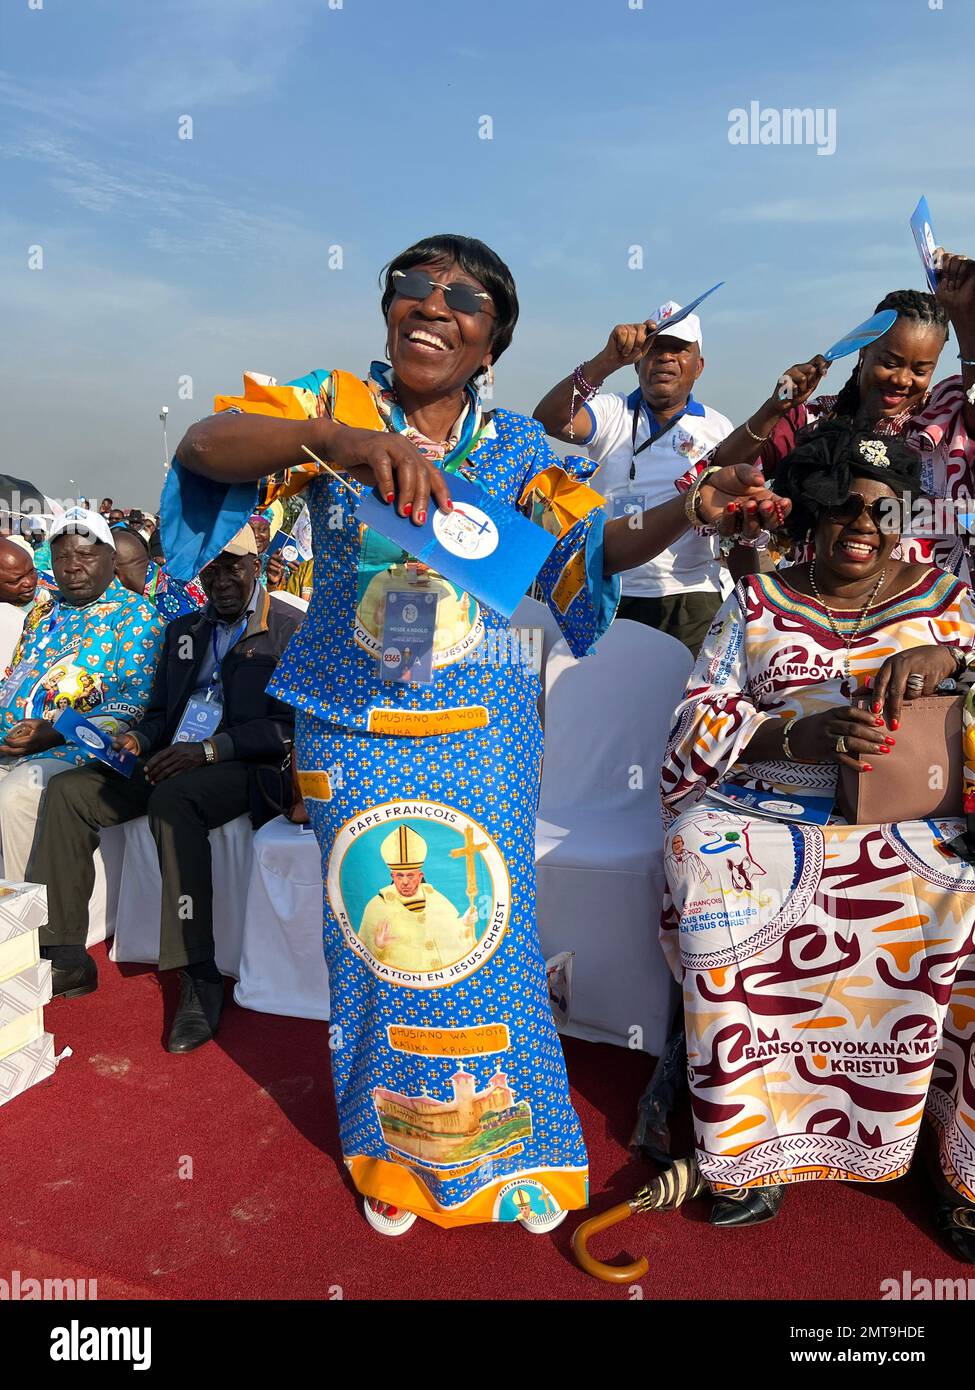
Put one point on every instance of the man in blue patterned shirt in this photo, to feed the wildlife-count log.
(93, 649)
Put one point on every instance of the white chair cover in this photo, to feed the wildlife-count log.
(140, 895)
(282, 965)
(599, 839)
(103, 903)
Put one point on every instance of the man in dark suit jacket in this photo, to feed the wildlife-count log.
(212, 746)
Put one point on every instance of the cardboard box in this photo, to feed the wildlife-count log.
(31, 989)
(26, 1067)
(23, 908)
(21, 1031)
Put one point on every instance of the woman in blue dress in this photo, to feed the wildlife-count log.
(448, 1073)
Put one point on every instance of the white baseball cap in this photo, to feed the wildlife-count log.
(688, 330)
(80, 520)
(244, 543)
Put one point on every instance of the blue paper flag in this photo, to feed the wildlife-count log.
(94, 740)
(687, 309)
(484, 545)
(794, 805)
(926, 242)
(861, 336)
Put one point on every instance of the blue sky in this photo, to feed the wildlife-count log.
(357, 127)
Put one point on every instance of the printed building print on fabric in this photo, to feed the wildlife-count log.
(471, 1125)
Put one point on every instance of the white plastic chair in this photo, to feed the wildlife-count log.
(140, 894)
(599, 837)
(282, 966)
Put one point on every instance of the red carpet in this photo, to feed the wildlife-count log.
(91, 1188)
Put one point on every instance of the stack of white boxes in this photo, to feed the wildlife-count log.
(26, 1051)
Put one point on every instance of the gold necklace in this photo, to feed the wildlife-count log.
(860, 620)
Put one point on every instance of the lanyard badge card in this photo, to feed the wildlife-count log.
(201, 718)
(627, 502)
(391, 584)
(409, 625)
(11, 685)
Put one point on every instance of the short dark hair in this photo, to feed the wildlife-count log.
(476, 259)
(134, 535)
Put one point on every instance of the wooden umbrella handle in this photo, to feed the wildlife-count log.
(610, 1274)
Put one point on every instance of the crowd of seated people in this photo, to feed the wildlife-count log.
(175, 675)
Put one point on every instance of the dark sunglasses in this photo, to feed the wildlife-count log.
(884, 512)
(417, 284)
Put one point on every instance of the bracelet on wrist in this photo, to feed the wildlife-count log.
(786, 748)
(692, 499)
(761, 541)
(960, 658)
(584, 388)
(758, 438)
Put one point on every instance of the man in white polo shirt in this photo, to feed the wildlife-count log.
(643, 442)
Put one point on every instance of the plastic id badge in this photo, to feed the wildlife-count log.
(201, 718)
(408, 630)
(628, 503)
(11, 685)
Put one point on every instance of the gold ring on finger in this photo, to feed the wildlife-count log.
(841, 745)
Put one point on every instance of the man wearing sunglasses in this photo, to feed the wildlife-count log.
(643, 441)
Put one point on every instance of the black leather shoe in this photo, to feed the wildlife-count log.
(957, 1221)
(198, 1014)
(75, 981)
(746, 1206)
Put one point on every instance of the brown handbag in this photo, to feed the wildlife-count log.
(920, 777)
(298, 815)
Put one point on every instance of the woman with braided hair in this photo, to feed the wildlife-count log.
(890, 394)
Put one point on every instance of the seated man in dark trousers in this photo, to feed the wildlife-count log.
(212, 746)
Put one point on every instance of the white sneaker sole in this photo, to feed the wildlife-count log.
(388, 1226)
(541, 1225)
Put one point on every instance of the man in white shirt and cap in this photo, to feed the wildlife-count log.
(643, 441)
(410, 925)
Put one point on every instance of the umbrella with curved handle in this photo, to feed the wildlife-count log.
(670, 1190)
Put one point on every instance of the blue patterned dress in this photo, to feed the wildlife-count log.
(448, 1072)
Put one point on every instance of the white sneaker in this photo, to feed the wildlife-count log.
(387, 1219)
(540, 1225)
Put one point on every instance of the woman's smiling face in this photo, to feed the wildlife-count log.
(434, 349)
(859, 549)
(896, 370)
